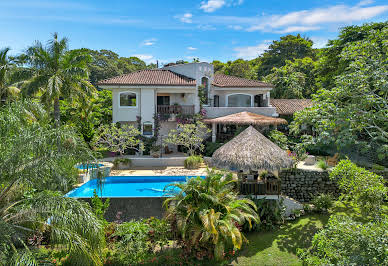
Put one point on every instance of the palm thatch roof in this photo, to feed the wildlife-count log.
(246, 118)
(251, 151)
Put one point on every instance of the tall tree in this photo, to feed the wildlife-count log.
(354, 114)
(296, 79)
(289, 47)
(330, 61)
(59, 73)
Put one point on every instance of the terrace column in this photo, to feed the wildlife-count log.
(214, 132)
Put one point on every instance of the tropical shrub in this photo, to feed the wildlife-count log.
(99, 206)
(193, 162)
(347, 242)
(271, 214)
(279, 139)
(207, 213)
(322, 202)
(126, 161)
(322, 164)
(365, 189)
(136, 241)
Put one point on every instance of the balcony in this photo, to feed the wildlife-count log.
(168, 111)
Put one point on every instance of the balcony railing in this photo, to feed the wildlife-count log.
(167, 112)
(176, 109)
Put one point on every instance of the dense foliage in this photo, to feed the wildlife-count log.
(35, 157)
(356, 239)
(348, 242)
(353, 114)
(207, 213)
(363, 188)
(137, 242)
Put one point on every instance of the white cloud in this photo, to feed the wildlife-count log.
(319, 42)
(365, 2)
(250, 52)
(145, 57)
(212, 5)
(185, 18)
(308, 20)
(149, 42)
(191, 48)
(298, 29)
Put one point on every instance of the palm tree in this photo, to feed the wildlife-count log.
(35, 157)
(59, 73)
(8, 77)
(207, 211)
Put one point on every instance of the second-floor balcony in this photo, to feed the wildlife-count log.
(167, 111)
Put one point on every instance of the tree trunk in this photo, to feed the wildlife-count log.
(57, 114)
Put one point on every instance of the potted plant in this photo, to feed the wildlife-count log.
(155, 151)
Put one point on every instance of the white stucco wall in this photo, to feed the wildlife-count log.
(121, 114)
(225, 92)
(147, 105)
(196, 71)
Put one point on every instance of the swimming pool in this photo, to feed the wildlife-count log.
(128, 186)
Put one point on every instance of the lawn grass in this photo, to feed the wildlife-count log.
(279, 247)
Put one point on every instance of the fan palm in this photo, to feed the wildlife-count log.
(208, 211)
(59, 73)
(34, 157)
(10, 75)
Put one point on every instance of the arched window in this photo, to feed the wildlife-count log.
(239, 100)
(128, 99)
(205, 85)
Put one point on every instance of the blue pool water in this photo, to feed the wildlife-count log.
(127, 186)
(89, 166)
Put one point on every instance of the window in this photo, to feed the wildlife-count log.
(205, 90)
(147, 129)
(127, 99)
(239, 100)
(216, 101)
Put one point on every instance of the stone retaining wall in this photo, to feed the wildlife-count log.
(303, 185)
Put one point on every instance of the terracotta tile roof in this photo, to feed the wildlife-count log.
(150, 77)
(221, 80)
(290, 106)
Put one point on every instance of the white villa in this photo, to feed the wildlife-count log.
(172, 92)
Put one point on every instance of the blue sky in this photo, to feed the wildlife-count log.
(170, 30)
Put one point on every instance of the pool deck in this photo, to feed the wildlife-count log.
(160, 171)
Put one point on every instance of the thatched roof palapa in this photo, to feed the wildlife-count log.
(246, 118)
(251, 151)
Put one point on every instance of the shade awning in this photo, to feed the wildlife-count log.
(251, 151)
(246, 118)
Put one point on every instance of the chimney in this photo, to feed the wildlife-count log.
(157, 64)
